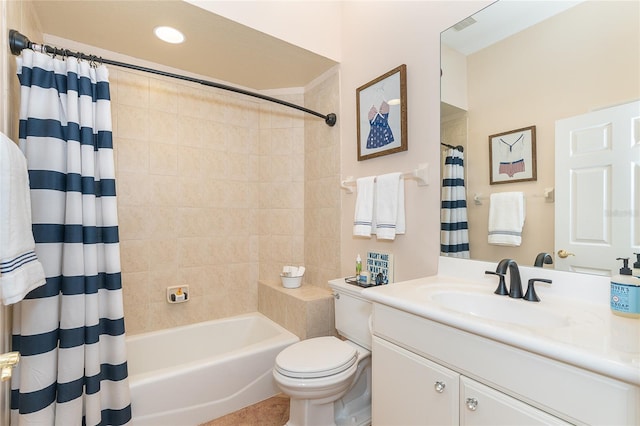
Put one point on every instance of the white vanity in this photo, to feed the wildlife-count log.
(446, 350)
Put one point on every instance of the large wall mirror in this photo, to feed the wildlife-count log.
(517, 64)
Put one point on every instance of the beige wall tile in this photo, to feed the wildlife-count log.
(163, 158)
(133, 155)
(133, 89)
(163, 95)
(212, 194)
(133, 122)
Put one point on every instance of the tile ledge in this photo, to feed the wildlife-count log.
(304, 292)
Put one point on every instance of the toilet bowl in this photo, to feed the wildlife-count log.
(329, 379)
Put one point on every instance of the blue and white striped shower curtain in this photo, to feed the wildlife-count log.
(70, 332)
(454, 232)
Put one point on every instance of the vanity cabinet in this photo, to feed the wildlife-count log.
(429, 373)
(416, 391)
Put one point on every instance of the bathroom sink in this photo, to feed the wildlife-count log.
(499, 308)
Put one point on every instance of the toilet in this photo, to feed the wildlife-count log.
(329, 379)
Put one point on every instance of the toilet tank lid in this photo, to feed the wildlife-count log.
(317, 357)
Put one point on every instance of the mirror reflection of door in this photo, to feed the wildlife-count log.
(598, 189)
(580, 59)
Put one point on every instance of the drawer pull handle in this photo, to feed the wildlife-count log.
(439, 386)
(472, 404)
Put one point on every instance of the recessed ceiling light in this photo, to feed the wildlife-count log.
(169, 34)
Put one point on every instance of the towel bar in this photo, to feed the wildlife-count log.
(549, 196)
(419, 174)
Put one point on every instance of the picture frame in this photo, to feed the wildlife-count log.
(512, 156)
(381, 111)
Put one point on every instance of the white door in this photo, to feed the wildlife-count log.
(598, 189)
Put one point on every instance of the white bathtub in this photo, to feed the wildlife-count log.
(188, 375)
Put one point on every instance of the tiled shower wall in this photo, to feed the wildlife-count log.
(211, 195)
(322, 184)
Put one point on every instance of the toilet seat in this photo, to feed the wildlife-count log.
(315, 358)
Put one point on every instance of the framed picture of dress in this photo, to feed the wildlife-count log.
(512, 156)
(381, 110)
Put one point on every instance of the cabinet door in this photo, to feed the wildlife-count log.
(482, 405)
(409, 390)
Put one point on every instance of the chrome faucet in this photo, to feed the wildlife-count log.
(515, 284)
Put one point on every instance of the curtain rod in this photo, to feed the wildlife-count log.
(459, 147)
(19, 42)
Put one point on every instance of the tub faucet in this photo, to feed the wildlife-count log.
(515, 284)
(542, 259)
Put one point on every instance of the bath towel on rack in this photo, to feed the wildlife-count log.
(506, 218)
(363, 218)
(20, 270)
(389, 213)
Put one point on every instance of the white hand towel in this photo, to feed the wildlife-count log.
(506, 218)
(363, 218)
(20, 270)
(389, 206)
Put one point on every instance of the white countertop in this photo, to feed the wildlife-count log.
(590, 336)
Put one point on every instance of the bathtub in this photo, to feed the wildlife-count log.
(191, 374)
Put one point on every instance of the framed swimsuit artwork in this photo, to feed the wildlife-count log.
(512, 156)
(381, 107)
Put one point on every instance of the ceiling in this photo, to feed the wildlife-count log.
(215, 47)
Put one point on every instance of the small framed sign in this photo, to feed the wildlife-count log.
(380, 265)
(512, 156)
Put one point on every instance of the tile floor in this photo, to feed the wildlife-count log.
(270, 412)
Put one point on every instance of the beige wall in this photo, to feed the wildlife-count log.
(548, 72)
(377, 37)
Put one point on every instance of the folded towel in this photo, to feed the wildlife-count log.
(363, 218)
(20, 270)
(506, 218)
(389, 206)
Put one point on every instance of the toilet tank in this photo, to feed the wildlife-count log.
(352, 312)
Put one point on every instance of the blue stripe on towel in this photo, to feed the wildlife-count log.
(15, 263)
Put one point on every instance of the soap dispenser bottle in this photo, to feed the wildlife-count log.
(636, 266)
(625, 292)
